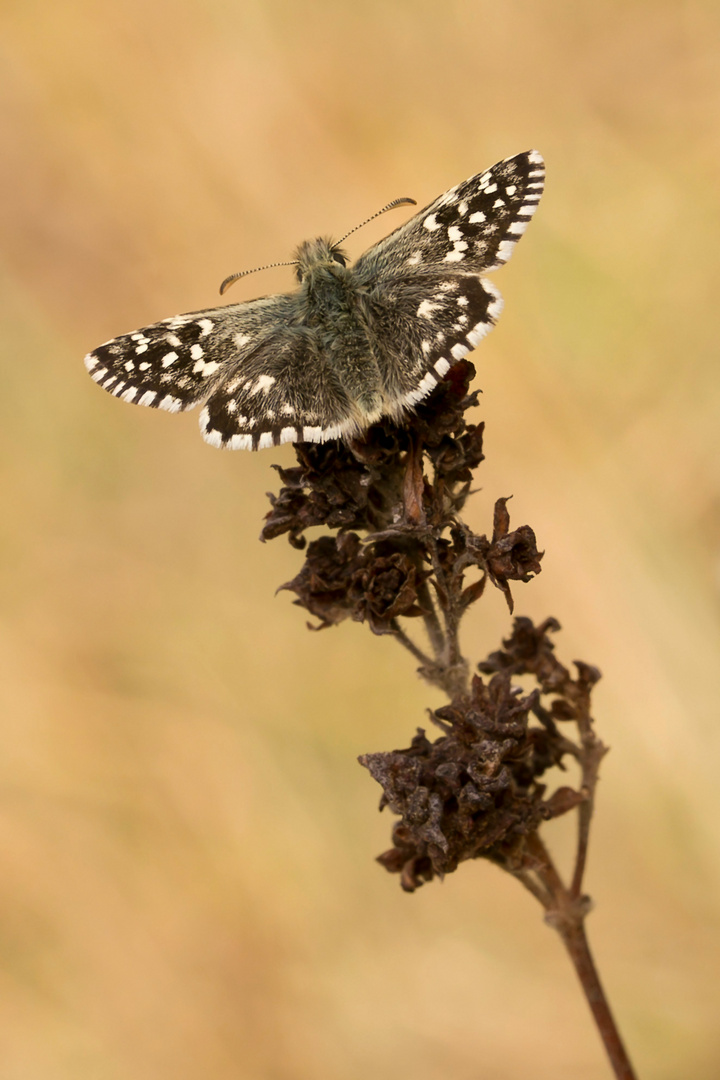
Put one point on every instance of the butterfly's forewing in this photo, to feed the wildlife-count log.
(177, 363)
(470, 229)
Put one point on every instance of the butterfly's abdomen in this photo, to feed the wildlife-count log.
(335, 312)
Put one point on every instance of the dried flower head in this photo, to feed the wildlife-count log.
(476, 791)
(398, 548)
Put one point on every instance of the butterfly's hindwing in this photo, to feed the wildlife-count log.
(472, 228)
(285, 392)
(423, 325)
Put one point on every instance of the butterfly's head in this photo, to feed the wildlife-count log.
(318, 254)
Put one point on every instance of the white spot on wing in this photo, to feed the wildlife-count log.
(288, 434)
(424, 388)
(169, 359)
(196, 352)
(206, 326)
(239, 442)
(265, 441)
(496, 304)
(455, 233)
(458, 351)
(430, 223)
(426, 309)
(147, 398)
(129, 394)
(476, 217)
(442, 366)
(241, 339)
(170, 404)
(505, 250)
(263, 382)
(214, 438)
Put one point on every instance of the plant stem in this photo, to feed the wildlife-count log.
(576, 943)
(566, 913)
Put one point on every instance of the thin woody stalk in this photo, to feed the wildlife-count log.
(398, 554)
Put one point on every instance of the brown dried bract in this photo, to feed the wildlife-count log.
(476, 792)
(400, 550)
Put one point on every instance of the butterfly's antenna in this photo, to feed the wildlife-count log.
(390, 206)
(243, 273)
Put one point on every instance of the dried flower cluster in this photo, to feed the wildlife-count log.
(476, 791)
(398, 550)
(395, 550)
(403, 488)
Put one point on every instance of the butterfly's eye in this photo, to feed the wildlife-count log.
(339, 258)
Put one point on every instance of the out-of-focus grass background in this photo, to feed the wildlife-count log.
(187, 885)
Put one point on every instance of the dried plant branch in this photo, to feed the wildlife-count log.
(482, 788)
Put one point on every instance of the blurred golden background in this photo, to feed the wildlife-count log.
(188, 887)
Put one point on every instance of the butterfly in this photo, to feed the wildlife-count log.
(353, 343)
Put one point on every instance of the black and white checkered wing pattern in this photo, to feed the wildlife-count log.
(175, 364)
(424, 324)
(260, 374)
(470, 229)
(430, 305)
(286, 391)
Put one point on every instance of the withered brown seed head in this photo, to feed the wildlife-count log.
(394, 549)
(476, 791)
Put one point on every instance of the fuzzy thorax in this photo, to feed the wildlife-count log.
(316, 254)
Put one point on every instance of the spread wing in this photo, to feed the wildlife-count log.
(260, 373)
(470, 229)
(176, 363)
(424, 324)
(430, 306)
